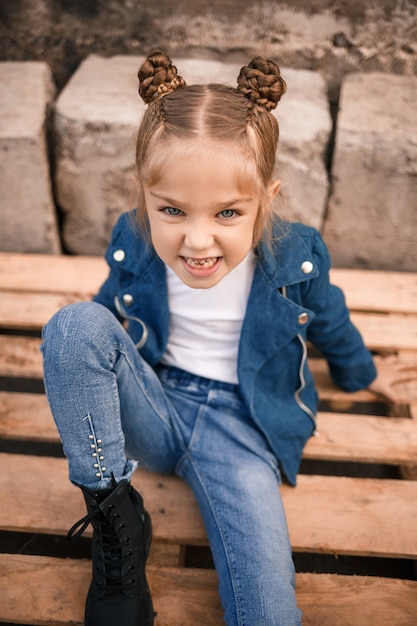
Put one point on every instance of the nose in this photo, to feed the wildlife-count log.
(198, 236)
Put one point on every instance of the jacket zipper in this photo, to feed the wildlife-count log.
(125, 316)
(298, 400)
(297, 393)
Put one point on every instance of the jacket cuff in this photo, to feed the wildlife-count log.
(354, 379)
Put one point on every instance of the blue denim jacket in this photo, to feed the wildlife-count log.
(291, 302)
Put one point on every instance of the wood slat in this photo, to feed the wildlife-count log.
(30, 311)
(342, 437)
(47, 273)
(55, 591)
(390, 332)
(326, 514)
(366, 290)
(20, 357)
(331, 600)
(26, 416)
(364, 439)
(57, 504)
(386, 332)
(374, 290)
(340, 515)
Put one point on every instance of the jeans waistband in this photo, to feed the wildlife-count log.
(182, 377)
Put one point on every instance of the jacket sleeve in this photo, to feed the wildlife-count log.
(331, 331)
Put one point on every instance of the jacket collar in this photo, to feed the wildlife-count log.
(284, 263)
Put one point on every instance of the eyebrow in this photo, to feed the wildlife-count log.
(228, 203)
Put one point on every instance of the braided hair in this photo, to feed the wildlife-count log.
(179, 114)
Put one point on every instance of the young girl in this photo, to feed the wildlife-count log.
(210, 380)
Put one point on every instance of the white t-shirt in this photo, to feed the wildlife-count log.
(205, 324)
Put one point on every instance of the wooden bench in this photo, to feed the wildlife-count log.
(358, 516)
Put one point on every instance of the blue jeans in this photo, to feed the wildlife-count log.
(114, 411)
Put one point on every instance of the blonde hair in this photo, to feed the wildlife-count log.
(179, 114)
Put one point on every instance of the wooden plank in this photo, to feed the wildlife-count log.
(55, 591)
(332, 600)
(326, 514)
(366, 290)
(386, 332)
(185, 597)
(375, 290)
(20, 357)
(364, 439)
(342, 437)
(79, 277)
(47, 273)
(343, 515)
(30, 311)
(26, 416)
(57, 504)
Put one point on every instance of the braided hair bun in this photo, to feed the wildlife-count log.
(261, 83)
(158, 77)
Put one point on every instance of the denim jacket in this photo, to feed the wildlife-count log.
(291, 302)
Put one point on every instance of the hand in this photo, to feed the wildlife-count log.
(391, 371)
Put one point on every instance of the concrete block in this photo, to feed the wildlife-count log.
(28, 220)
(372, 219)
(97, 115)
(96, 118)
(305, 129)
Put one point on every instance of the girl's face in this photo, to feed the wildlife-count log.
(201, 221)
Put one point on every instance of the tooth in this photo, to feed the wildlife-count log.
(201, 262)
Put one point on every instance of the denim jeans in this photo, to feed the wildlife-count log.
(113, 412)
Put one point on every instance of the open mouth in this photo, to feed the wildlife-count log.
(201, 263)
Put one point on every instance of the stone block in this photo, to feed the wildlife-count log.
(28, 220)
(96, 118)
(372, 218)
(305, 129)
(97, 115)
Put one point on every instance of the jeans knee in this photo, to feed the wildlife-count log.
(76, 323)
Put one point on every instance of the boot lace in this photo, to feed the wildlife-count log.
(110, 561)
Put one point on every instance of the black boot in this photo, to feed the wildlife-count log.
(119, 593)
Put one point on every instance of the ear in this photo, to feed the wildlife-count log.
(273, 189)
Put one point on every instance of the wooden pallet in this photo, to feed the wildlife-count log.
(348, 516)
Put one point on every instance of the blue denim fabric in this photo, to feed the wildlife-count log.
(113, 411)
(286, 308)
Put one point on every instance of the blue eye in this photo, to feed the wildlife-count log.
(227, 213)
(172, 211)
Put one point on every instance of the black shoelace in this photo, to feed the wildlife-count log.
(109, 560)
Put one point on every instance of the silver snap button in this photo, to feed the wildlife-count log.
(303, 318)
(307, 267)
(127, 299)
(119, 255)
